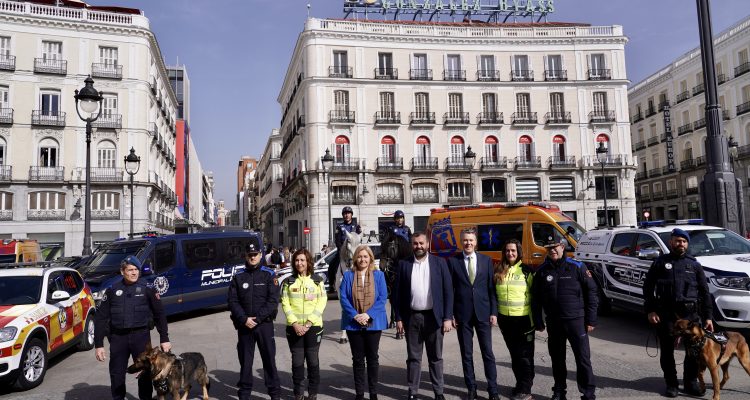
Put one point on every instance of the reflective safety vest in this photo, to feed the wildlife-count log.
(514, 292)
(303, 299)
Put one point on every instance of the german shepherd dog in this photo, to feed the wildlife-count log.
(171, 373)
(712, 354)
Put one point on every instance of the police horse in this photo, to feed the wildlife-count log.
(346, 260)
(394, 248)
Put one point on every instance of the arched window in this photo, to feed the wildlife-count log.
(423, 153)
(106, 154)
(342, 149)
(558, 148)
(48, 153)
(457, 149)
(687, 154)
(491, 150)
(388, 150)
(525, 149)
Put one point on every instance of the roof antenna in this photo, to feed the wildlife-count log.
(308, 10)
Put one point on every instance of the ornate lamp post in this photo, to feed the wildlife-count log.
(89, 108)
(469, 158)
(601, 155)
(327, 161)
(132, 165)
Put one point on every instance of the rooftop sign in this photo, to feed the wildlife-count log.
(494, 10)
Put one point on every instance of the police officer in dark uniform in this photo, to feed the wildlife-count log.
(401, 229)
(676, 287)
(125, 317)
(253, 302)
(339, 237)
(566, 291)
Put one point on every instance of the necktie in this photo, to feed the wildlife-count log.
(472, 273)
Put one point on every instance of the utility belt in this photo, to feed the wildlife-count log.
(127, 331)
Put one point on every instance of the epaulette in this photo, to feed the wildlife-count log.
(575, 262)
(269, 270)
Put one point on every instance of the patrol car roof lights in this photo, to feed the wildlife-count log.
(662, 222)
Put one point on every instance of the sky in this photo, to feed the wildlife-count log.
(237, 52)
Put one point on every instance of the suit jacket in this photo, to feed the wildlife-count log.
(478, 299)
(376, 312)
(441, 288)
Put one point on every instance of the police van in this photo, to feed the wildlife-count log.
(189, 271)
(619, 258)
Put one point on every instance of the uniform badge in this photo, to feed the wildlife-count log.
(245, 285)
(668, 266)
(118, 293)
(295, 290)
(549, 278)
(138, 290)
(276, 281)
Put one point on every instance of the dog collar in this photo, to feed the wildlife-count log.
(161, 385)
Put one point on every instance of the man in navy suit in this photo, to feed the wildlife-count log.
(474, 308)
(423, 302)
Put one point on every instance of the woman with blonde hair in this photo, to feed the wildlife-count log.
(363, 295)
(513, 288)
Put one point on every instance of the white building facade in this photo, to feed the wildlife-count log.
(45, 54)
(673, 193)
(399, 104)
(270, 178)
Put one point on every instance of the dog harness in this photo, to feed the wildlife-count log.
(161, 386)
(694, 350)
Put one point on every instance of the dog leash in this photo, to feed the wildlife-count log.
(652, 333)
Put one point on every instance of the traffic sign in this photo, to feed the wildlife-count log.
(646, 214)
(306, 230)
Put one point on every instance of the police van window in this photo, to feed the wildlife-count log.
(622, 245)
(234, 251)
(492, 237)
(646, 242)
(201, 253)
(163, 256)
(542, 232)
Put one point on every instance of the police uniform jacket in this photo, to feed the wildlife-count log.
(304, 298)
(341, 230)
(564, 290)
(403, 231)
(125, 308)
(253, 293)
(677, 284)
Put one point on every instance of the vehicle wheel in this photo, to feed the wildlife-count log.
(33, 365)
(87, 336)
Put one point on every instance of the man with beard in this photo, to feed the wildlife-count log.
(676, 287)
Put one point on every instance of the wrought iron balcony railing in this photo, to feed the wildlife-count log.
(46, 173)
(698, 89)
(725, 115)
(48, 118)
(341, 117)
(598, 74)
(490, 118)
(682, 97)
(344, 198)
(390, 198)
(650, 111)
(105, 214)
(6, 215)
(524, 118)
(687, 164)
(701, 160)
(338, 71)
(743, 108)
(685, 129)
(457, 164)
(663, 104)
(420, 74)
(641, 175)
(562, 162)
(386, 73)
(49, 66)
(672, 193)
(45, 215)
(602, 117)
(6, 172)
(640, 145)
(108, 121)
(7, 63)
(101, 174)
(721, 78)
(422, 118)
(388, 118)
(698, 124)
(610, 160)
(454, 75)
(522, 75)
(692, 190)
(652, 173)
(528, 162)
(389, 164)
(493, 163)
(555, 75)
(637, 117)
(557, 118)
(653, 140)
(484, 75)
(424, 163)
(456, 118)
(348, 164)
(741, 69)
(6, 116)
(100, 70)
(424, 198)
(454, 199)
(494, 197)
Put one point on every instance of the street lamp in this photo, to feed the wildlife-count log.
(469, 158)
(601, 155)
(327, 161)
(132, 165)
(88, 101)
(733, 148)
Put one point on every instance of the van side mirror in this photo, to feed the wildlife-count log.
(147, 269)
(59, 295)
(648, 254)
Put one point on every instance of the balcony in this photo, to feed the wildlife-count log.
(48, 118)
(99, 174)
(637, 117)
(341, 117)
(528, 162)
(50, 174)
(743, 108)
(673, 193)
(555, 75)
(699, 161)
(386, 73)
(6, 215)
(388, 118)
(457, 200)
(698, 89)
(685, 129)
(348, 164)
(484, 75)
(106, 71)
(597, 74)
(424, 164)
(743, 150)
(456, 164)
(650, 111)
(641, 175)
(422, 198)
(687, 164)
(522, 75)
(45, 215)
(698, 124)
(564, 162)
(523, 118)
(652, 173)
(557, 118)
(6, 116)
(602, 117)
(610, 161)
(454, 75)
(420, 74)
(456, 118)
(725, 115)
(343, 198)
(682, 97)
(692, 190)
(663, 104)
(721, 78)
(653, 141)
(108, 121)
(640, 145)
(48, 66)
(338, 71)
(105, 214)
(667, 171)
(493, 164)
(389, 164)
(422, 118)
(7, 63)
(663, 137)
(6, 173)
(490, 118)
(741, 69)
(658, 195)
(391, 198)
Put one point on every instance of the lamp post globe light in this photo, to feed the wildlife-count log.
(327, 161)
(89, 108)
(469, 158)
(601, 155)
(132, 165)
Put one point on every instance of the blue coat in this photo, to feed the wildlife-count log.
(479, 299)
(441, 288)
(376, 312)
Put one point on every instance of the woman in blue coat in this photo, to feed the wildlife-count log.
(363, 295)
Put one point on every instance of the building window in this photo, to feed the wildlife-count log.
(340, 63)
(48, 152)
(421, 105)
(385, 64)
(562, 189)
(2, 151)
(610, 184)
(106, 154)
(105, 201)
(423, 151)
(457, 149)
(558, 147)
(49, 102)
(487, 70)
(4, 47)
(688, 152)
(557, 104)
(341, 101)
(494, 191)
(453, 68)
(491, 150)
(489, 104)
(109, 106)
(390, 193)
(526, 149)
(528, 189)
(342, 149)
(459, 191)
(523, 102)
(4, 98)
(46, 201)
(6, 201)
(554, 67)
(388, 149)
(51, 51)
(420, 68)
(455, 105)
(597, 65)
(387, 104)
(343, 194)
(108, 56)
(600, 103)
(520, 66)
(425, 193)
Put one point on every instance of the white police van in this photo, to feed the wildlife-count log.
(620, 258)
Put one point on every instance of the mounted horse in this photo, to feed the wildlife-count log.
(346, 255)
(394, 248)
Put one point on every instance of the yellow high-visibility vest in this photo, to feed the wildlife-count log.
(302, 300)
(514, 292)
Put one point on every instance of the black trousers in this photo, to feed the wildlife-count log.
(305, 349)
(465, 331)
(121, 349)
(365, 345)
(519, 336)
(262, 335)
(574, 332)
(666, 346)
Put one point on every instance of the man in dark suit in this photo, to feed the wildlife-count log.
(423, 302)
(474, 308)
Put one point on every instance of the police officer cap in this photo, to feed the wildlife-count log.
(131, 260)
(555, 241)
(398, 214)
(346, 209)
(251, 248)
(681, 233)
